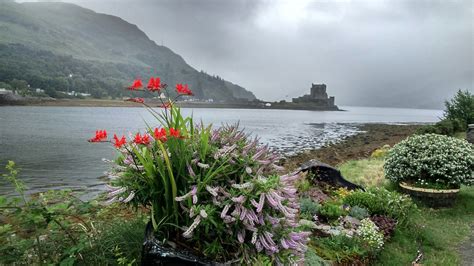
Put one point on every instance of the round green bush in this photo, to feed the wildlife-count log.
(431, 159)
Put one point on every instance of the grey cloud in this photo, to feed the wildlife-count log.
(386, 53)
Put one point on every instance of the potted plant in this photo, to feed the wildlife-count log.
(431, 167)
(215, 194)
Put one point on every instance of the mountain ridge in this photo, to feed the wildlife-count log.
(66, 29)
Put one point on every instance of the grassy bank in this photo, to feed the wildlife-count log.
(438, 233)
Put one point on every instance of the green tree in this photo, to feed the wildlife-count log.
(461, 108)
(5, 85)
(19, 84)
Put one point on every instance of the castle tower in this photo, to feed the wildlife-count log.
(318, 91)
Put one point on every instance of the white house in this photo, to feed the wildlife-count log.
(5, 91)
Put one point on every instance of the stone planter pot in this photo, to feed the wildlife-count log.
(431, 197)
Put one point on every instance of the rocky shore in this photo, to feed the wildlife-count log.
(356, 147)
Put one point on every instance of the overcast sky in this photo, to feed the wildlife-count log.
(380, 53)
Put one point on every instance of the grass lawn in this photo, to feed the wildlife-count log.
(365, 172)
(437, 232)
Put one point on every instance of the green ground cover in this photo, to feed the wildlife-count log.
(92, 234)
(438, 233)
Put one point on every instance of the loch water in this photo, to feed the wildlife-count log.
(50, 145)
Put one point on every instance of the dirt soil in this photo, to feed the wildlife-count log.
(356, 147)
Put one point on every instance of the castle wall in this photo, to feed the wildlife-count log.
(317, 97)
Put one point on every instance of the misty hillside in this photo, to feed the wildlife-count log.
(42, 43)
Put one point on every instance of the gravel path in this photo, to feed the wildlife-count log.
(467, 250)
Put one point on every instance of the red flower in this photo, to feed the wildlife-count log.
(136, 100)
(154, 84)
(183, 89)
(160, 134)
(174, 132)
(119, 142)
(145, 139)
(137, 84)
(100, 136)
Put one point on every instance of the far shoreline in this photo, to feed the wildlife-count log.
(122, 103)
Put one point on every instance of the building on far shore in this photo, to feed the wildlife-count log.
(317, 97)
(5, 91)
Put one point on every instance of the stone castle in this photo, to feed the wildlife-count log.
(318, 97)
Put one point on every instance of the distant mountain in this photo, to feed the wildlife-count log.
(43, 43)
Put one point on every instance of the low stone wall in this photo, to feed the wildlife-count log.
(470, 134)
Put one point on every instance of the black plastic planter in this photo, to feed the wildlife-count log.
(328, 174)
(154, 253)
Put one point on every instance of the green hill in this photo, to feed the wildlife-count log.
(43, 43)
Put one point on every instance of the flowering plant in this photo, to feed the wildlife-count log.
(370, 234)
(216, 190)
(435, 159)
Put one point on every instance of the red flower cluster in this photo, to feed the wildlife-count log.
(100, 135)
(160, 134)
(137, 85)
(174, 133)
(136, 100)
(183, 89)
(154, 84)
(145, 139)
(118, 143)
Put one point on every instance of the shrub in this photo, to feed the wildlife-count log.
(461, 108)
(366, 200)
(385, 224)
(331, 210)
(384, 202)
(369, 232)
(217, 191)
(446, 127)
(380, 152)
(57, 228)
(437, 159)
(342, 249)
(309, 208)
(358, 212)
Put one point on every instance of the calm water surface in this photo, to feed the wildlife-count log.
(49, 143)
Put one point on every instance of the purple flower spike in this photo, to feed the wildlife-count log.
(272, 201)
(212, 191)
(261, 202)
(239, 199)
(189, 232)
(116, 192)
(191, 171)
(241, 236)
(243, 213)
(254, 238)
(129, 198)
(258, 246)
(225, 210)
(110, 201)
